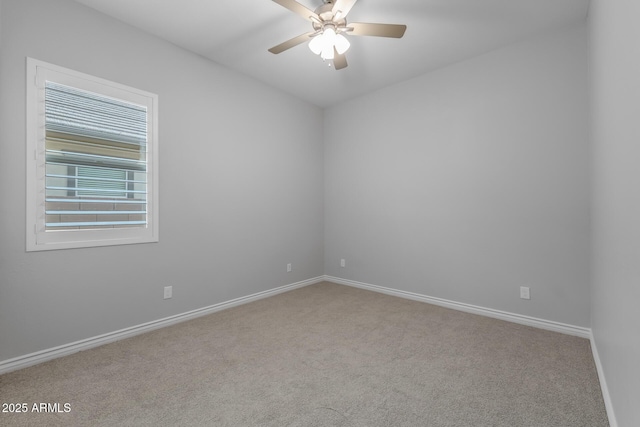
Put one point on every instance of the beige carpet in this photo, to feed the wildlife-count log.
(323, 355)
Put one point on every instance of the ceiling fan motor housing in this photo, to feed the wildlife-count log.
(325, 12)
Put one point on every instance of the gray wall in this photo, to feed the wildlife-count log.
(241, 187)
(470, 181)
(615, 89)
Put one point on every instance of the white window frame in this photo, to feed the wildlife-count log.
(38, 72)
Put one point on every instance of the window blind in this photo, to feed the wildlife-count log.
(95, 164)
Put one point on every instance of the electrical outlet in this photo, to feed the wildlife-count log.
(343, 263)
(168, 292)
(524, 292)
(289, 268)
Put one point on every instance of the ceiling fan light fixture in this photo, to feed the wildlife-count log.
(324, 43)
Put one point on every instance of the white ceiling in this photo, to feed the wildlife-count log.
(237, 34)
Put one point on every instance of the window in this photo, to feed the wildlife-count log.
(91, 161)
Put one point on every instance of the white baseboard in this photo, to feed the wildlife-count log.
(74, 347)
(603, 384)
(474, 309)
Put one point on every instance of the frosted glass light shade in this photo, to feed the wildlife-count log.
(327, 52)
(316, 44)
(342, 44)
(324, 43)
(329, 36)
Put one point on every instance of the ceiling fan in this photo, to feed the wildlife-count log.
(329, 27)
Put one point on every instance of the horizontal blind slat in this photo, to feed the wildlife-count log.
(103, 201)
(61, 157)
(94, 189)
(95, 179)
(90, 224)
(96, 212)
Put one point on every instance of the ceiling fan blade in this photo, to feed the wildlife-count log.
(296, 7)
(291, 42)
(379, 30)
(339, 61)
(342, 6)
